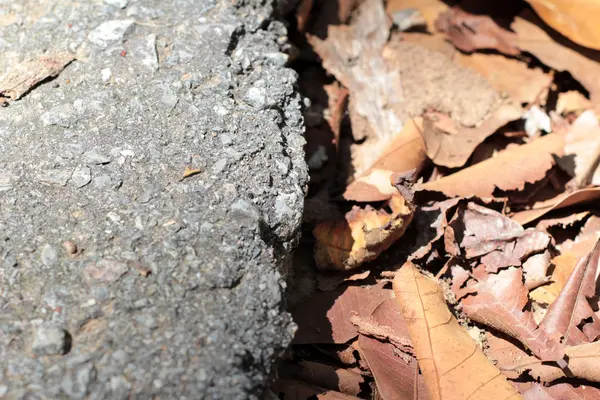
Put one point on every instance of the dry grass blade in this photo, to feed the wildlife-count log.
(451, 362)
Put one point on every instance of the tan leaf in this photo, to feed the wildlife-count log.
(405, 152)
(583, 148)
(500, 301)
(451, 362)
(29, 73)
(365, 234)
(562, 201)
(325, 317)
(510, 170)
(563, 266)
(572, 101)
(395, 371)
(537, 392)
(429, 9)
(574, 19)
(450, 145)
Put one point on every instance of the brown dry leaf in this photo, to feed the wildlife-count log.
(563, 266)
(582, 147)
(508, 75)
(571, 307)
(366, 233)
(337, 98)
(500, 301)
(29, 73)
(537, 392)
(479, 232)
(190, 171)
(303, 14)
(563, 222)
(452, 364)
(559, 202)
(450, 145)
(327, 282)
(404, 153)
(510, 170)
(290, 389)
(429, 9)
(391, 82)
(347, 381)
(568, 391)
(325, 317)
(474, 32)
(572, 101)
(394, 370)
(576, 19)
(558, 53)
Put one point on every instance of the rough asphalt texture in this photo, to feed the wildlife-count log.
(174, 288)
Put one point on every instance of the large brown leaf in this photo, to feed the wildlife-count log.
(571, 306)
(510, 170)
(325, 317)
(450, 145)
(362, 236)
(394, 370)
(453, 366)
(500, 301)
(406, 152)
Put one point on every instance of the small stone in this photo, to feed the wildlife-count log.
(219, 166)
(257, 97)
(93, 157)
(81, 176)
(49, 255)
(3, 390)
(318, 159)
(106, 270)
(106, 74)
(110, 31)
(226, 139)
(277, 59)
(50, 339)
(76, 383)
(117, 3)
(70, 247)
(62, 115)
(102, 181)
(145, 50)
(56, 177)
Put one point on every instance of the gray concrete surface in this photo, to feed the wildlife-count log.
(118, 278)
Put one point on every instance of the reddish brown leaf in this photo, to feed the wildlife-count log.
(325, 317)
(510, 170)
(295, 390)
(500, 301)
(571, 306)
(568, 391)
(537, 392)
(582, 148)
(474, 32)
(327, 282)
(347, 381)
(559, 202)
(450, 145)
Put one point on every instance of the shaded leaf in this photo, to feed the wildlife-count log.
(450, 145)
(347, 381)
(325, 317)
(451, 362)
(559, 202)
(510, 170)
(362, 236)
(290, 389)
(537, 392)
(500, 301)
(327, 282)
(582, 145)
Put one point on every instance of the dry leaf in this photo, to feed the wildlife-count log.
(510, 170)
(559, 202)
(23, 77)
(290, 389)
(327, 282)
(450, 145)
(303, 14)
(429, 9)
(571, 307)
(500, 301)
(395, 371)
(337, 98)
(582, 147)
(325, 317)
(451, 362)
(365, 234)
(576, 19)
(405, 152)
(474, 32)
(568, 391)
(479, 232)
(537, 392)
(347, 381)
(190, 171)
(572, 101)
(563, 266)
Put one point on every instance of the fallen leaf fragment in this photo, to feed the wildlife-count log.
(474, 32)
(537, 392)
(405, 152)
(450, 145)
(29, 73)
(362, 236)
(582, 146)
(396, 372)
(341, 380)
(562, 201)
(573, 391)
(190, 171)
(327, 282)
(574, 19)
(325, 316)
(510, 170)
(452, 364)
(500, 301)
(291, 389)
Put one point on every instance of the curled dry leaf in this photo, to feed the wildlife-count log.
(500, 301)
(510, 170)
(453, 366)
(450, 145)
(474, 32)
(574, 19)
(291, 389)
(394, 370)
(347, 381)
(582, 148)
(479, 232)
(365, 234)
(325, 317)
(562, 201)
(405, 152)
(29, 73)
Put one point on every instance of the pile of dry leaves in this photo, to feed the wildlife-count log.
(451, 247)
